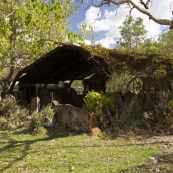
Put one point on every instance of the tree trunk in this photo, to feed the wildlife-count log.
(5, 83)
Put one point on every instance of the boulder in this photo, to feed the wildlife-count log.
(71, 117)
(35, 105)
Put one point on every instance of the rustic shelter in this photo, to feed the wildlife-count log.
(68, 62)
(149, 75)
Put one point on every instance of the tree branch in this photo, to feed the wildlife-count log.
(136, 6)
(128, 85)
(159, 21)
(101, 3)
(145, 4)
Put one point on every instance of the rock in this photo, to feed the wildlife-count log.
(153, 160)
(71, 117)
(54, 103)
(35, 105)
(96, 131)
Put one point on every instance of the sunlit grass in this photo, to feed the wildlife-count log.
(70, 153)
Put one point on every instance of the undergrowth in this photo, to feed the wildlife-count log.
(112, 117)
(117, 116)
(15, 118)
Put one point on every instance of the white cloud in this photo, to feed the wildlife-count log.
(109, 21)
(106, 42)
(88, 42)
(92, 15)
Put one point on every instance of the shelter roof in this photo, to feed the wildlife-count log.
(66, 62)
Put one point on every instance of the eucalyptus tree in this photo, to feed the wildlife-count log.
(166, 44)
(29, 29)
(133, 33)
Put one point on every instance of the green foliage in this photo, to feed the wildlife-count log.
(119, 82)
(12, 116)
(166, 44)
(3, 124)
(108, 99)
(30, 29)
(8, 107)
(100, 104)
(133, 33)
(86, 33)
(132, 118)
(78, 86)
(36, 123)
(93, 102)
(48, 111)
(150, 46)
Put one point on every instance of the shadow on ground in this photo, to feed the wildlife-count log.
(24, 145)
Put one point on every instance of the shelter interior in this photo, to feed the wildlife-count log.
(51, 76)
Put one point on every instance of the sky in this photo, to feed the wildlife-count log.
(106, 21)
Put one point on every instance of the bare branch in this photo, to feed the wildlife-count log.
(131, 8)
(9, 15)
(136, 6)
(159, 21)
(145, 4)
(171, 8)
(101, 3)
(128, 85)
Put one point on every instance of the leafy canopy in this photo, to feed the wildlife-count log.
(133, 33)
(30, 29)
(166, 44)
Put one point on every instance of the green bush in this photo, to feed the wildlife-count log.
(35, 122)
(3, 123)
(48, 111)
(99, 104)
(106, 107)
(12, 116)
(93, 102)
(38, 121)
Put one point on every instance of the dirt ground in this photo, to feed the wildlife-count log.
(161, 162)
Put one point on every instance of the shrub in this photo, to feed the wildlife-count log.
(131, 117)
(38, 121)
(3, 123)
(93, 102)
(35, 122)
(100, 105)
(106, 107)
(12, 116)
(48, 111)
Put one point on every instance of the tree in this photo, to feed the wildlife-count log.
(29, 29)
(149, 46)
(133, 33)
(166, 44)
(133, 5)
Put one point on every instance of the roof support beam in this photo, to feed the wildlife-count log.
(77, 75)
(59, 71)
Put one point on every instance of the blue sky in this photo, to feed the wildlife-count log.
(108, 21)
